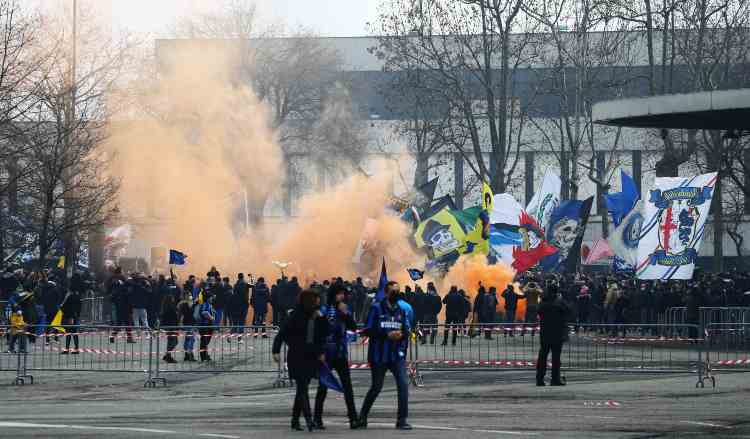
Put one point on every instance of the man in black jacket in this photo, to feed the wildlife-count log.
(259, 301)
(553, 315)
(432, 305)
(455, 313)
(240, 300)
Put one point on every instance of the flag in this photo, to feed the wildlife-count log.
(327, 379)
(177, 257)
(380, 295)
(487, 200)
(441, 234)
(515, 236)
(61, 262)
(427, 191)
(600, 250)
(565, 230)
(437, 206)
(674, 219)
(57, 321)
(619, 204)
(625, 237)
(545, 200)
(486, 197)
(415, 274)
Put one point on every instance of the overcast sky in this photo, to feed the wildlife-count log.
(340, 18)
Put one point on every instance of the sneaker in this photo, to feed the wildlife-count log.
(404, 426)
(10, 351)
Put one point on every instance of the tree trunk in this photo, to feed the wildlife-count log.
(420, 175)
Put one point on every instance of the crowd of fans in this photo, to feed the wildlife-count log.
(137, 301)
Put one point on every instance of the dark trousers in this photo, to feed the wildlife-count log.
(301, 400)
(429, 328)
(171, 342)
(341, 366)
(73, 329)
(122, 318)
(205, 333)
(259, 319)
(541, 363)
(454, 325)
(378, 376)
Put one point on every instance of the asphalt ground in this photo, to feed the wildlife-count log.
(451, 404)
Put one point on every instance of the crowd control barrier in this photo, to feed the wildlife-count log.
(493, 347)
(603, 348)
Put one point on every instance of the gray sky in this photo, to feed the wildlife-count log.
(328, 17)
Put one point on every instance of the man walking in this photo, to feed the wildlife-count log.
(388, 329)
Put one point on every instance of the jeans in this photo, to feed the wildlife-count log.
(205, 333)
(219, 316)
(378, 371)
(240, 317)
(21, 338)
(541, 363)
(510, 315)
(72, 332)
(259, 318)
(140, 318)
(189, 342)
(41, 321)
(341, 366)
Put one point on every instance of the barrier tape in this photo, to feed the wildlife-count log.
(732, 362)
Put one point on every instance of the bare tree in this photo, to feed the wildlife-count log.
(299, 77)
(468, 55)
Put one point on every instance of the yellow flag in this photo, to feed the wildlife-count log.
(57, 321)
(486, 197)
(61, 262)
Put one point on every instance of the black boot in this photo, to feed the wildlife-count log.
(360, 424)
(295, 425)
(318, 423)
(310, 424)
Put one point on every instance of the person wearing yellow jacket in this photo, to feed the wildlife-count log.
(17, 331)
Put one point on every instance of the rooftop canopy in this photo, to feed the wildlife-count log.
(713, 110)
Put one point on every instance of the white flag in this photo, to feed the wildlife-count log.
(624, 239)
(674, 219)
(545, 200)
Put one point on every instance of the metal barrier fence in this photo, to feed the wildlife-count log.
(92, 348)
(728, 346)
(603, 348)
(606, 348)
(93, 310)
(708, 315)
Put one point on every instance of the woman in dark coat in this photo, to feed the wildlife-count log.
(305, 334)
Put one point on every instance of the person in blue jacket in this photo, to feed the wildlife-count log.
(388, 329)
(340, 320)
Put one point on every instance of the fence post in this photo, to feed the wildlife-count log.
(21, 374)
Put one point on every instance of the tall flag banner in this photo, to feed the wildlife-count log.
(545, 200)
(487, 199)
(426, 193)
(625, 237)
(177, 257)
(515, 237)
(380, 294)
(565, 232)
(326, 378)
(674, 219)
(56, 323)
(619, 204)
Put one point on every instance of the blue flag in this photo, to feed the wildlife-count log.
(565, 230)
(620, 204)
(415, 274)
(177, 257)
(380, 295)
(327, 379)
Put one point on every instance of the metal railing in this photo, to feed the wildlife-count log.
(589, 347)
(100, 348)
(728, 346)
(708, 315)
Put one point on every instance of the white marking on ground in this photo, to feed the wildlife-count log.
(84, 427)
(706, 424)
(444, 428)
(219, 435)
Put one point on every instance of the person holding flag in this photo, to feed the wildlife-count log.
(388, 330)
(340, 320)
